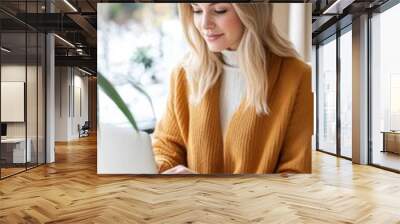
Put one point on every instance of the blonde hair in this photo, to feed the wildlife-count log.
(260, 37)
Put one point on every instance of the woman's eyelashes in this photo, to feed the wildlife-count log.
(197, 11)
(219, 11)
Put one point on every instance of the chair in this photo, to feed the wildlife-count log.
(84, 130)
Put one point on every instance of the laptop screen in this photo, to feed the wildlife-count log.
(3, 129)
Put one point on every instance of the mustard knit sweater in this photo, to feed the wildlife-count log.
(278, 142)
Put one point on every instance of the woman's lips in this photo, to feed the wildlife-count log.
(213, 37)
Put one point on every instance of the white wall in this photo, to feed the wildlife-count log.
(62, 80)
(33, 126)
(12, 73)
(82, 83)
(71, 94)
(12, 101)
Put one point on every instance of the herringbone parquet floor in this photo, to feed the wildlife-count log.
(69, 191)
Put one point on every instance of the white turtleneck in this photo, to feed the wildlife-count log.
(232, 88)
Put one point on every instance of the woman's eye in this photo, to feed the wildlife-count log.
(196, 11)
(220, 11)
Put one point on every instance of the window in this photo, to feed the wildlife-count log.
(385, 89)
(327, 97)
(346, 94)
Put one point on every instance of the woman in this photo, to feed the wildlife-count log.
(241, 102)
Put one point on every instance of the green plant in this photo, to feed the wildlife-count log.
(111, 92)
(142, 56)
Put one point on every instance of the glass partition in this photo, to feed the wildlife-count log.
(22, 67)
(13, 104)
(31, 100)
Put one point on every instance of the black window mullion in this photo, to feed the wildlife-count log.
(26, 87)
(338, 91)
(45, 93)
(369, 90)
(317, 96)
(37, 90)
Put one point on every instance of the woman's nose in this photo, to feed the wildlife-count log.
(207, 22)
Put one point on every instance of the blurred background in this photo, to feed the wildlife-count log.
(140, 44)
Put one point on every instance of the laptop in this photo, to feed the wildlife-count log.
(122, 150)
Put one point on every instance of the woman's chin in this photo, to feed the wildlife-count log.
(216, 48)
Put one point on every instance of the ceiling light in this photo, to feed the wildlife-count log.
(5, 50)
(70, 5)
(64, 40)
(79, 51)
(337, 7)
(84, 71)
(333, 6)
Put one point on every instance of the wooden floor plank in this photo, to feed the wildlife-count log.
(70, 191)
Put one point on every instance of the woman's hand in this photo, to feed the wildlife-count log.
(179, 170)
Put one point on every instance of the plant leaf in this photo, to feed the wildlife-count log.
(111, 92)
